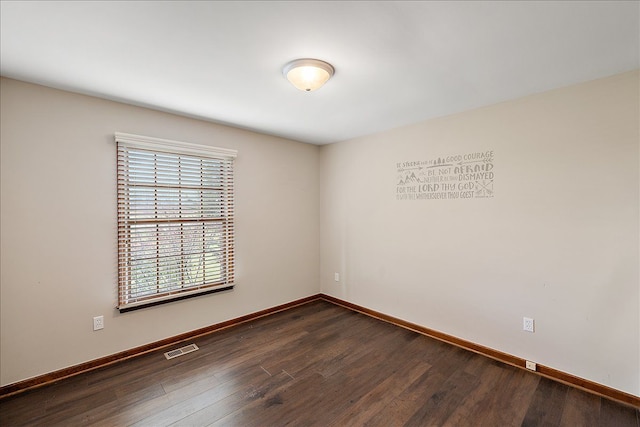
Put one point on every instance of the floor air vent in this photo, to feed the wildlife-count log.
(180, 351)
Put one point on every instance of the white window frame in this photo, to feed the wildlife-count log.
(206, 215)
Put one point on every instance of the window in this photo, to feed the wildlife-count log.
(175, 220)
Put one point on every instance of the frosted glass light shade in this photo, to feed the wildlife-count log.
(308, 74)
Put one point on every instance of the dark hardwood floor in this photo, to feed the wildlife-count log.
(316, 364)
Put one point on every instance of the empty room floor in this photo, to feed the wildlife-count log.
(316, 364)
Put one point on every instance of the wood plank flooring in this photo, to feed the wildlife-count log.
(314, 365)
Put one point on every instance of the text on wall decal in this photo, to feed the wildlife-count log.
(461, 176)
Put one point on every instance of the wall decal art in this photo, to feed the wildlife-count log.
(462, 176)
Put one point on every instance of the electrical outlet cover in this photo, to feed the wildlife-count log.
(98, 323)
(528, 324)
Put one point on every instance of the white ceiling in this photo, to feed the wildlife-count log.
(396, 62)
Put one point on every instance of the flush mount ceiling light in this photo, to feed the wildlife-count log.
(308, 74)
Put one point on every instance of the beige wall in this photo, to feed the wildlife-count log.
(58, 227)
(558, 241)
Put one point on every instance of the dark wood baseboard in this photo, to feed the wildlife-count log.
(551, 373)
(554, 374)
(18, 387)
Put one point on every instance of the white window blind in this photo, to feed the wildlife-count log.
(175, 220)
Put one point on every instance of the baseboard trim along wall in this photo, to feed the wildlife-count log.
(554, 374)
(18, 387)
(545, 371)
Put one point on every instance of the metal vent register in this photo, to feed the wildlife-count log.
(180, 351)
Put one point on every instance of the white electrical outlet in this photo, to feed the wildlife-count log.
(336, 277)
(98, 323)
(531, 365)
(527, 324)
